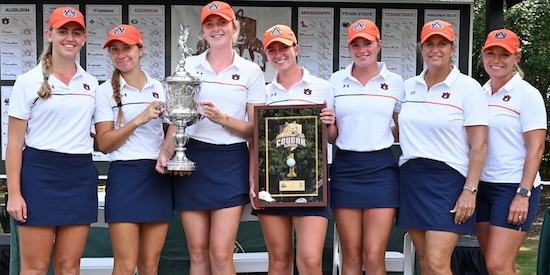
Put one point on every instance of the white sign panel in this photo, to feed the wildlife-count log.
(17, 40)
(347, 17)
(449, 16)
(100, 19)
(399, 41)
(150, 20)
(315, 36)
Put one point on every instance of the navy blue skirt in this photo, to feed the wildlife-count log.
(429, 190)
(59, 189)
(136, 193)
(294, 211)
(364, 180)
(493, 204)
(221, 179)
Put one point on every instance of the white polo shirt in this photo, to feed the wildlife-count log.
(432, 124)
(62, 122)
(364, 114)
(515, 109)
(309, 90)
(146, 140)
(231, 89)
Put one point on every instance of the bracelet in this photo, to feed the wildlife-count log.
(226, 121)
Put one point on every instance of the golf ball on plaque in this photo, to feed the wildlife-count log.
(290, 162)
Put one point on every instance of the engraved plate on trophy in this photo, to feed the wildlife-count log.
(183, 91)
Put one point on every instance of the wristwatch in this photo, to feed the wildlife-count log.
(470, 188)
(524, 192)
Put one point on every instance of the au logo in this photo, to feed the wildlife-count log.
(500, 35)
(276, 31)
(436, 26)
(359, 26)
(119, 31)
(69, 13)
(213, 7)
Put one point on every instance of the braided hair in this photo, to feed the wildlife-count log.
(45, 90)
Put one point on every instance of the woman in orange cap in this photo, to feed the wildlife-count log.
(211, 199)
(138, 201)
(509, 191)
(364, 188)
(52, 184)
(443, 137)
(278, 223)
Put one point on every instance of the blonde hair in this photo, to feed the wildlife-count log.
(115, 83)
(518, 69)
(237, 26)
(45, 90)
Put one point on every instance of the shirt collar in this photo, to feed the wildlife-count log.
(148, 81)
(237, 60)
(449, 80)
(381, 65)
(306, 77)
(513, 82)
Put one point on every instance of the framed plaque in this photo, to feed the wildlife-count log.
(291, 152)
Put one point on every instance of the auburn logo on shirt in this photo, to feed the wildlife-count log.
(155, 95)
(384, 86)
(506, 98)
(445, 95)
(307, 92)
(235, 77)
(86, 86)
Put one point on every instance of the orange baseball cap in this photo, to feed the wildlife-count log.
(218, 8)
(503, 38)
(280, 33)
(125, 33)
(437, 27)
(363, 28)
(63, 15)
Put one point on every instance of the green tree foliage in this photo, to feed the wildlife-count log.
(479, 38)
(530, 20)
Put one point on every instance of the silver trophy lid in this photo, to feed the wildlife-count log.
(181, 75)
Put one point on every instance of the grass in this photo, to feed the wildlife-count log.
(527, 257)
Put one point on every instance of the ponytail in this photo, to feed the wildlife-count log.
(518, 69)
(45, 90)
(115, 83)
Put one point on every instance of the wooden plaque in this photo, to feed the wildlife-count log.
(291, 151)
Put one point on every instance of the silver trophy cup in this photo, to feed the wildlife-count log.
(183, 91)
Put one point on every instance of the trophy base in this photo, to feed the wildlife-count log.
(184, 166)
